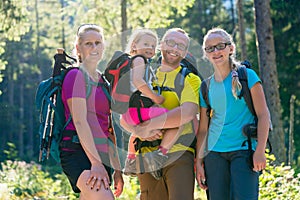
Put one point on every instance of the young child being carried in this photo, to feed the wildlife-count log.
(144, 42)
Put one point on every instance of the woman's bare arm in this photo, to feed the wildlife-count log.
(78, 111)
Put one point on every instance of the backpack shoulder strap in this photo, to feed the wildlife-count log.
(135, 56)
(147, 69)
(245, 92)
(204, 90)
(105, 87)
(67, 70)
(88, 83)
(179, 80)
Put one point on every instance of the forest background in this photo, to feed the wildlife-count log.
(266, 32)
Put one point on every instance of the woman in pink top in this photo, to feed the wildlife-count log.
(85, 144)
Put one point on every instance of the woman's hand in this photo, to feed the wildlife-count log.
(98, 176)
(118, 183)
(200, 174)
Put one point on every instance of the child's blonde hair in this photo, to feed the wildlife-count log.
(136, 36)
(236, 85)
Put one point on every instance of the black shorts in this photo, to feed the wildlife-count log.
(75, 161)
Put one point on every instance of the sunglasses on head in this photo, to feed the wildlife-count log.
(86, 26)
(172, 43)
(219, 46)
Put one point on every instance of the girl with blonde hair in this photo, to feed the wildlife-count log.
(225, 170)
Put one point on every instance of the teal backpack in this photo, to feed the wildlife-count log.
(51, 109)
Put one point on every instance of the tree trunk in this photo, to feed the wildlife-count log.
(291, 131)
(241, 29)
(11, 89)
(232, 15)
(268, 73)
(199, 5)
(30, 143)
(37, 48)
(21, 123)
(124, 23)
(62, 2)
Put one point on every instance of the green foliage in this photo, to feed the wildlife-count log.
(144, 13)
(21, 180)
(13, 19)
(202, 17)
(279, 182)
(159, 13)
(286, 20)
(14, 23)
(11, 151)
(199, 194)
(131, 188)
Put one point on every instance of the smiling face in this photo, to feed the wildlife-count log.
(145, 46)
(218, 49)
(90, 46)
(174, 48)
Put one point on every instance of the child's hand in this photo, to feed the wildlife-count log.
(158, 99)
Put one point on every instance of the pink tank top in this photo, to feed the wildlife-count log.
(98, 110)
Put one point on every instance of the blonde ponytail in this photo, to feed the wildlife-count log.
(236, 85)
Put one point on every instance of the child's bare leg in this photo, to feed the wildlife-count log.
(130, 163)
(131, 149)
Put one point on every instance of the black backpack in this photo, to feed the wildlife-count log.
(249, 130)
(117, 74)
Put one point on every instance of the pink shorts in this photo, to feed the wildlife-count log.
(131, 116)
